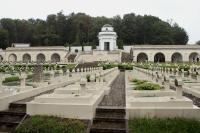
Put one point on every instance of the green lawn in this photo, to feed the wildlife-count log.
(50, 124)
(167, 125)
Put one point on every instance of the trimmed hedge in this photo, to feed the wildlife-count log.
(138, 82)
(184, 67)
(88, 77)
(50, 124)
(108, 66)
(17, 68)
(15, 78)
(11, 79)
(164, 125)
(125, 67)
(147, 86)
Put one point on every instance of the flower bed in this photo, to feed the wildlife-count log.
(145, 85)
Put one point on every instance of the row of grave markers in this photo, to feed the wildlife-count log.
(157, 75)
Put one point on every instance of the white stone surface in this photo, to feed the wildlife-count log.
(73, 49)
(167, 50)
(70, 102)
(160, 103)
(107, 35)
(48, 52)
(5, 100)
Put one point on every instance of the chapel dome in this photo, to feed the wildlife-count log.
(107, 25)
(107, 28)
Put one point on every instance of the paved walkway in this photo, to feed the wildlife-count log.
(116, 96)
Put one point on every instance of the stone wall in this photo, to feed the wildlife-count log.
(35, 51)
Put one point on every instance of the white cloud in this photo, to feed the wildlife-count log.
(184, 12)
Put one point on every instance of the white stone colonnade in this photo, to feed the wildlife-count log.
(165, 53)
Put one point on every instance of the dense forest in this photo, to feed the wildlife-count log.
(81, 29)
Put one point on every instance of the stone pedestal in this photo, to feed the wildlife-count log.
(22, 78)
(179, 92)
(83, 82)
(198, 77)
(60, 72)
(182, 74)
(92, 78)
(179, 88)
(52, 74)
(38, 73)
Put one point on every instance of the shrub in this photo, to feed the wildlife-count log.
(125, 67)
(50, 124)
(108, 66)
(184, 67)
(64, 68)
(58, 67)
(72, 66)
(11, 79)
(138, 82)
(194, 74)
(144, 65)
(88, 77)
(30, 76)
(164, 125)
(147, 86)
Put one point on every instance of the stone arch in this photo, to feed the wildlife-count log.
(26, 58)
(159, 57)
(142, 57)
(55, 57)
(177, 57)
(40, 58)
(1, 58)
(12, 58)
(194, 57)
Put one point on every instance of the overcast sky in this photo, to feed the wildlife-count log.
(185, 12)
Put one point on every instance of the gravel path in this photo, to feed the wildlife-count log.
(116, 96)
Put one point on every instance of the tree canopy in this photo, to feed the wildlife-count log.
(81, 29)
(198, 42)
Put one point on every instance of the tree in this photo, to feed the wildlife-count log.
(10, 26)
(129, 28)
(3, 38)
(81, 29)
(198, 42)
(120, 43)
(179, 35)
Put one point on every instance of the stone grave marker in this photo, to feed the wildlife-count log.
(38, 73)
(179, 89)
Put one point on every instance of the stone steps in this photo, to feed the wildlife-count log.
(109, 120)
(9, 119)
(111, 112)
